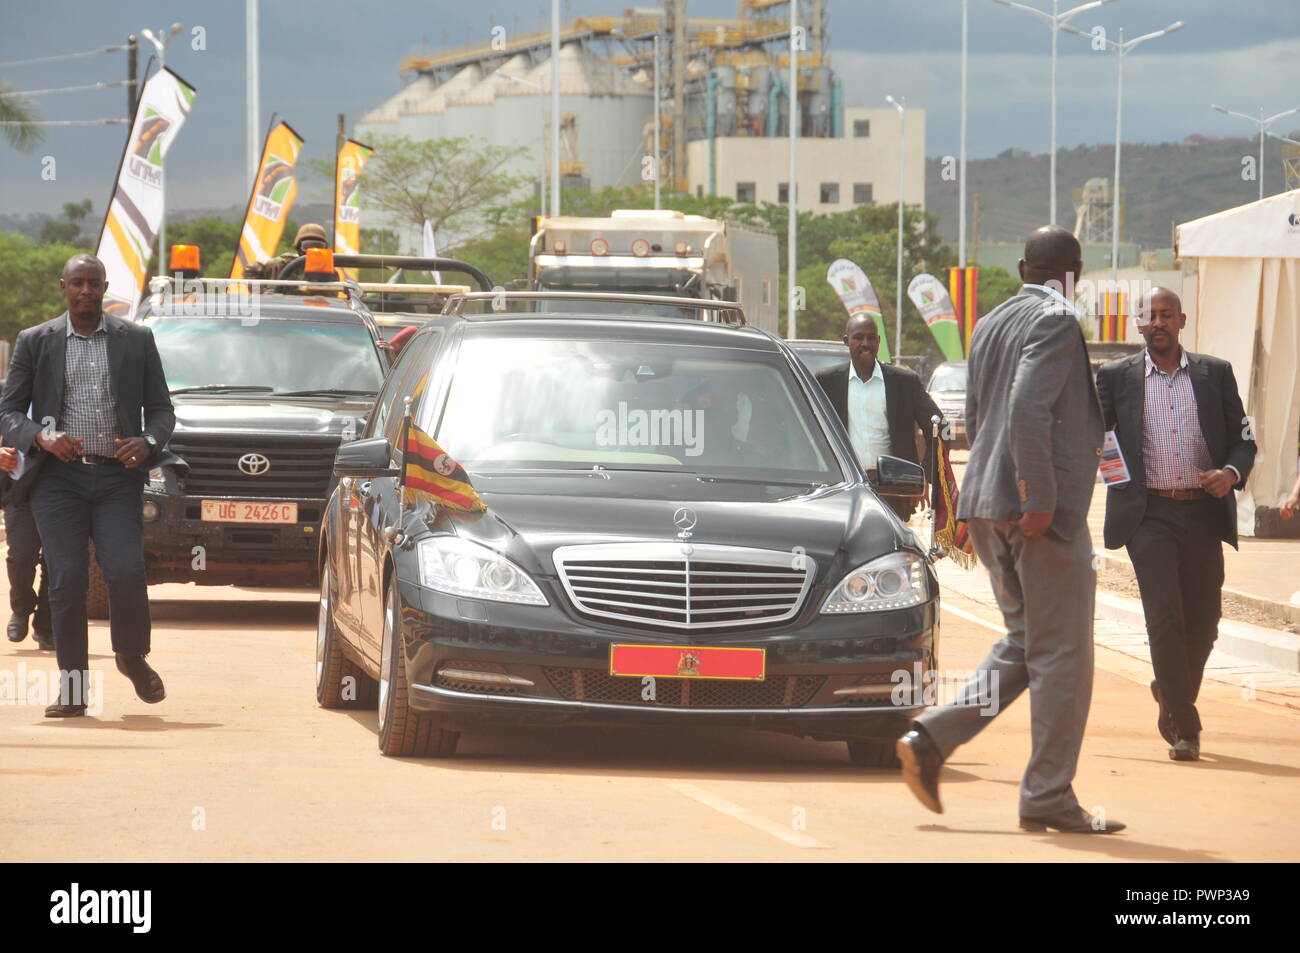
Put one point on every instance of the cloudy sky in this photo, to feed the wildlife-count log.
(322, 57)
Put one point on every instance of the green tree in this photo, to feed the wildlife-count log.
(455, 184)
(15, 109)
(29, 282)
(217, 238)
(68, 230)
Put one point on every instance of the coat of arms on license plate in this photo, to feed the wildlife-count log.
(688, 663)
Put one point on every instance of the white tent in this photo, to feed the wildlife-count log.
(1246, 310)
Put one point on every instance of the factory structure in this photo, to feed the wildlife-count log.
(724, 107)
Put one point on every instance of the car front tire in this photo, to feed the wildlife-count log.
(404, 731)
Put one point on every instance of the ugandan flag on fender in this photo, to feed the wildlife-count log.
(430, 475)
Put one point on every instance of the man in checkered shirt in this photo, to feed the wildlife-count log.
(1188, 444)
(100, 414)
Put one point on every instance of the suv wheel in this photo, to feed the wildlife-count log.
(339, 682)
(873, 754)
(402, 730)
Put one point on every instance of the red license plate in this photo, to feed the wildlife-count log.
(693, 661)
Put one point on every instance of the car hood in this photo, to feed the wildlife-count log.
(317, 416)
(530, 516)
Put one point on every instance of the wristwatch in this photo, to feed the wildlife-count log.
(149, 439)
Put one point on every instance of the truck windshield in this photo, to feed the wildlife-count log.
(722, 412)
(266, 356)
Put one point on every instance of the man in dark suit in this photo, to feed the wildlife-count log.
(1186, 439)
(23, 556)
(1036, 436)
(90, 379)
(881, 405)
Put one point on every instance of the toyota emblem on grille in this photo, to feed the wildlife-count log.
(254, 464)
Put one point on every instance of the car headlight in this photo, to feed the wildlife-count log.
(464, 568)
(895, 581)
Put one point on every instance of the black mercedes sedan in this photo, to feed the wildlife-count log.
(676, 532)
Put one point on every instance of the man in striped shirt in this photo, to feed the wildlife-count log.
(1188, 444)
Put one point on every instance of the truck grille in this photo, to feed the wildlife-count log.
(299, 468)
(593, 685)
(684, 585)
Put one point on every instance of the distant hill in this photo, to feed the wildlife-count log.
(30, 224)
(1163, 185)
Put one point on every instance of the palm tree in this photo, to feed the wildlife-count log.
(25, 135)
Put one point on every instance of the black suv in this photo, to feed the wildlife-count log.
(677, 532)
(263, 399)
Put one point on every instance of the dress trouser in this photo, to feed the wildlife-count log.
(1178, 560)
(75, 503)
(1045, 588)
(24, 544)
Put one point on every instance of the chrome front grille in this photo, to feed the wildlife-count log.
(684, 585)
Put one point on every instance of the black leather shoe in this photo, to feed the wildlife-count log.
(44, 640)
(1187, 748)
(17, 628)
(146, 681)
(1074, 821)
(58, 710)
(1165, 723)
(921, 763)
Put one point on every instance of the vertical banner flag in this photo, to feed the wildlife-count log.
(933, 301)
(130, 228)
(274, 190)
(1114, 316)
(854, 289)
(963, 284)
(347, 211)
(431, 249)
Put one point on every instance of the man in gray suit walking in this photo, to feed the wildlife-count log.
(1036, 433)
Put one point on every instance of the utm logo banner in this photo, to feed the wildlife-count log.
(854, 288)
(347, 211)
(274, 191)
(933, 301)
(131, 225)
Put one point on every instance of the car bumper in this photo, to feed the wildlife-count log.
(180, 546)
(560, 672)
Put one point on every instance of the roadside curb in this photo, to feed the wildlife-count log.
(1252, 643)
(1284, 612)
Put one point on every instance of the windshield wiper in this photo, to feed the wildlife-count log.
(326, 392)
(723, 479)
(218, 387)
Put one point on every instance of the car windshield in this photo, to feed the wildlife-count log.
(948, 377)
(267, 355)
(575, 404)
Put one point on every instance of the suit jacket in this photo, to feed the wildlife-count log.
(907, 405)
(1122, 387)
(142, 400)
(1032, 416)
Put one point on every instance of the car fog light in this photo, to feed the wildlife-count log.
(150, 512)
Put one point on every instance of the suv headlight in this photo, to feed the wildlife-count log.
(157, 479)
(895, 581)
(463, 568)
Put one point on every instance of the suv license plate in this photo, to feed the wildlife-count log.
(694, 661)
(247, 511)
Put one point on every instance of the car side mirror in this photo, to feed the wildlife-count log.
(898, 477)
(365, 459)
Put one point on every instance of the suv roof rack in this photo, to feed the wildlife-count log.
(400, 263)
(729, 312)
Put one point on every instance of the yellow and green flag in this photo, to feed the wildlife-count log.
(347, 210)
(274, 191)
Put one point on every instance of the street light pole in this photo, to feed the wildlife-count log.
(1121, 49)
(252, 89)
(792, 189)
(1056, 21)
(658, 139)
(160, 41)
(901, 105)
(961, 170)
(555, 107)
(1263, 125)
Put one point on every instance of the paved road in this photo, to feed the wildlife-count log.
(239, 764)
